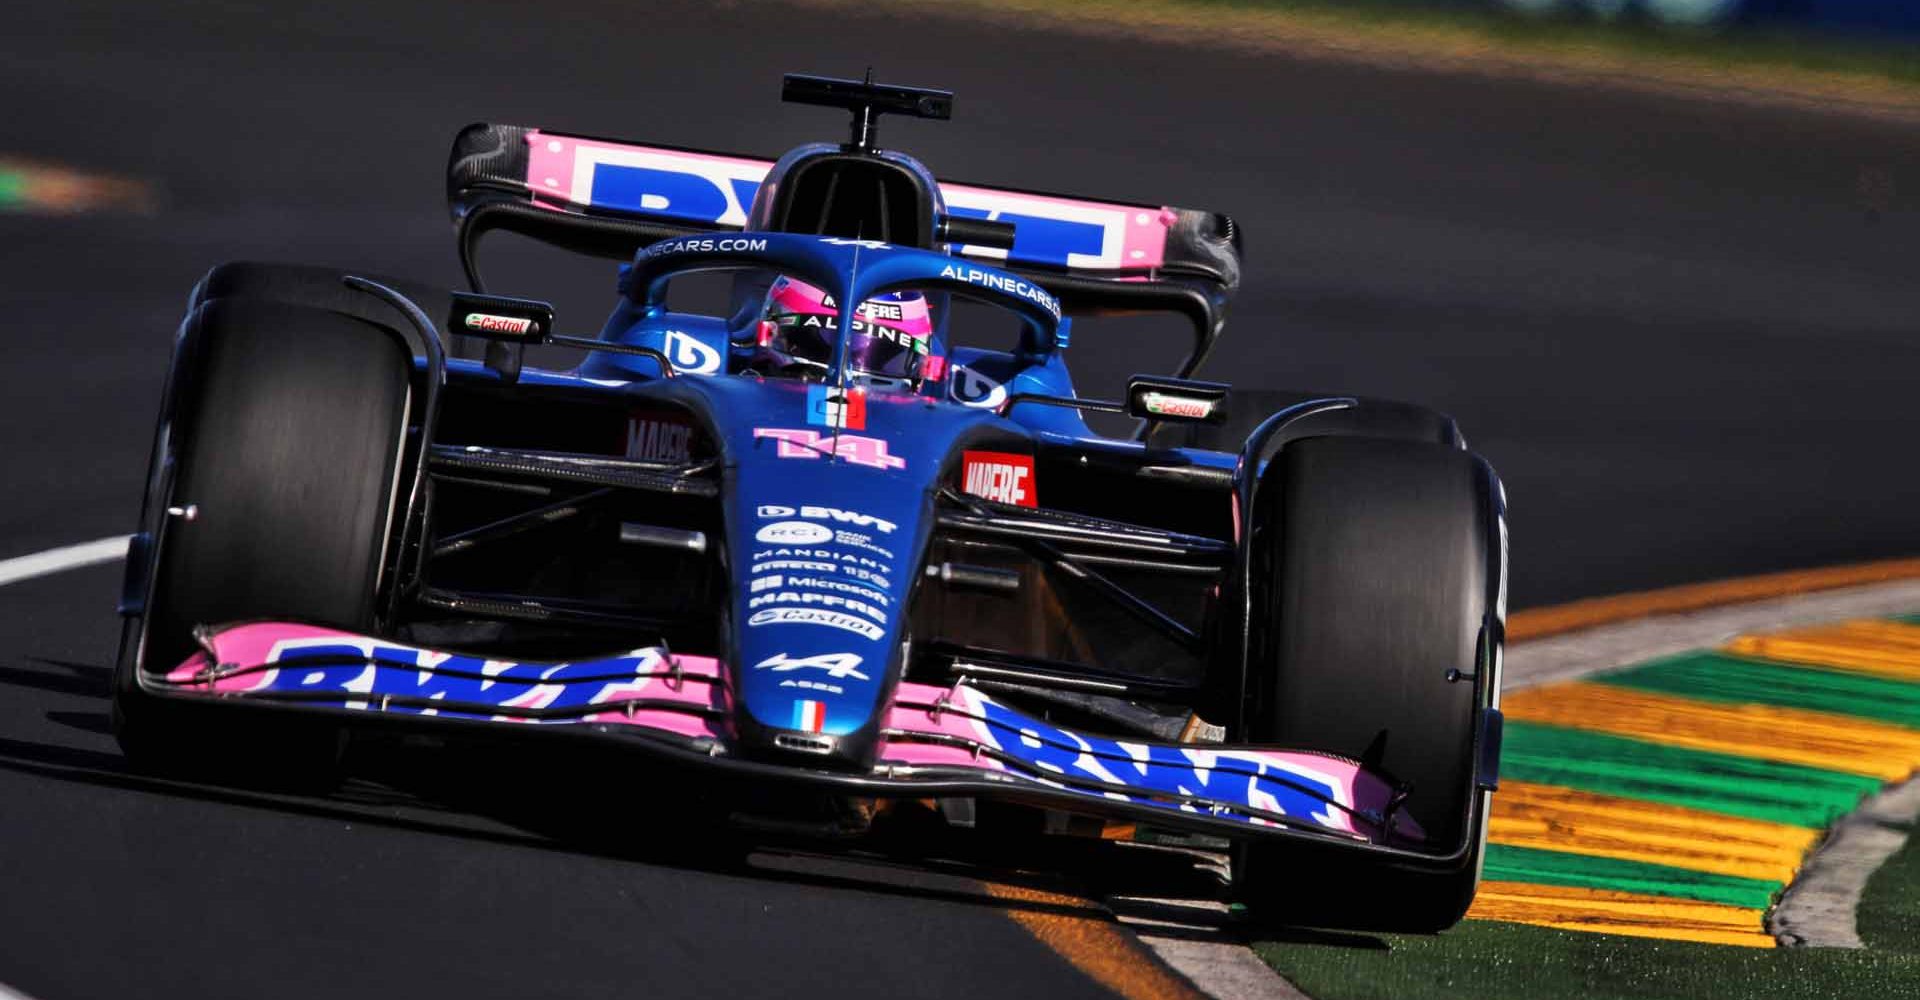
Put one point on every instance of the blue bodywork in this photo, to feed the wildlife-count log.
(826, 524)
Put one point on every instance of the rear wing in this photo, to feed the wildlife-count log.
(608, 199)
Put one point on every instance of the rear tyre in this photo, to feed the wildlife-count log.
(283, 435)
(1376, 566)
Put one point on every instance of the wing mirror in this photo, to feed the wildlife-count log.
(499, 317)
(509, 325)
(1157, 398)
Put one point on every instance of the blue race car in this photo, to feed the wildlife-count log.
(843, 532)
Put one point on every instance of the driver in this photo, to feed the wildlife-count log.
(890, 333)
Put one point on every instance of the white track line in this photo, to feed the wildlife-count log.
(1821, 907)
(1608, 647)
(59, 560)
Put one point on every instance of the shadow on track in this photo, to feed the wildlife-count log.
(599, 805)
(97, 723)
(1210, 925)
(80, 679)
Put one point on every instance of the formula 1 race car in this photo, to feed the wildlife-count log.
(809, 540)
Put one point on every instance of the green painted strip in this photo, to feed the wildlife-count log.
(1907, 619)
(1538, 867)
(1718, 677)
(13, 187)
(1697, 779)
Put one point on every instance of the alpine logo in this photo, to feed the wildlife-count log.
(813, 513)
(1000, 477)
(1006, 283)
(690, 355)
(839, 666)
(653, 439)
(797, 443)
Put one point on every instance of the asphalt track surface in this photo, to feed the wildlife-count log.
(1687, 335)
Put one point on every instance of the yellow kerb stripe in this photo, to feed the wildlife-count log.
(1607, 826)
(1626, 913)
(1880, 648)
(1790, 736)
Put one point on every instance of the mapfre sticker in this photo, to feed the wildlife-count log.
(1000, 477)
(655, 437)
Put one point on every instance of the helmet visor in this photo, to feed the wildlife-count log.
(889, 335)
(878, 347)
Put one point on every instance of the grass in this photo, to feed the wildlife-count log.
(1493, 961)
(1496, 961)
(1889, 913)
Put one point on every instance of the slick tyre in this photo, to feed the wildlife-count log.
(315, 287)
(282, 438)
(1376, 565)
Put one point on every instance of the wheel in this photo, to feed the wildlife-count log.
(281, 444)
(1376, 566)
(319, 288)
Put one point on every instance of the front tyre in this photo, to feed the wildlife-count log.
(280, 452)
(1376, 567)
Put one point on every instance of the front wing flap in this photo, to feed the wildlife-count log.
(936, 740)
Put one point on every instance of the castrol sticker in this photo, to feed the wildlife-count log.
(1000, 477)
(488, 323)
(1162, 405)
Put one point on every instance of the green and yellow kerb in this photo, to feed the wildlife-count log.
(1676, 799)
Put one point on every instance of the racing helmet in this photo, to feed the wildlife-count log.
(890, 333)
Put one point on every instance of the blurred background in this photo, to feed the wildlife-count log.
(1663, 277)
(1855, 17)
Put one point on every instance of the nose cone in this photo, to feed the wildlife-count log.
(829, 513)
(821, 590)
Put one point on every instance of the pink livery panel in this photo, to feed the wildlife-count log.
(928, 732)
(706, 189)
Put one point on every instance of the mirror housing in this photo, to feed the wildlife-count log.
(510, 325)
(1157, 398)
(501, 318)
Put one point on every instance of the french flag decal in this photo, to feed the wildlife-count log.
(809, 716)
(845, 409)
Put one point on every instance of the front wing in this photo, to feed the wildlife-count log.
(936, 741)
